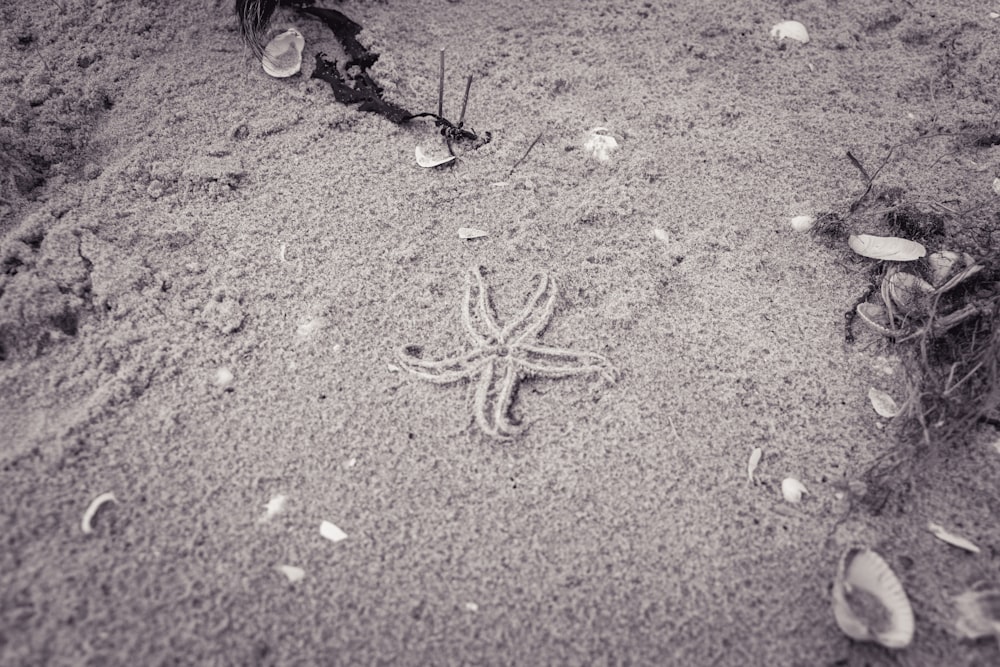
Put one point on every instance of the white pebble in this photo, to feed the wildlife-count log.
(803, 223)
(223, 377)
(293, 573)
(792, 489)
(790, 29)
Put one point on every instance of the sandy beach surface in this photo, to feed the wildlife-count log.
(217, 286)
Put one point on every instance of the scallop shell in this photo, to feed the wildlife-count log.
(791, 30)
(283, 54)
(886, 247)
(869, 602)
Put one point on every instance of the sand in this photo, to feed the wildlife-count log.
(208, 274)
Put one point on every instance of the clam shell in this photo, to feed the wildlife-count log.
(908, 291)
(886, 247)
(883, 403)
(869, 602)
(874, 315)
(428, 162)
(283, 54)
(791, 30)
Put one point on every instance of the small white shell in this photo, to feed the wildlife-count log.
(869, 602)
(331, 532)
(874, 315)
(791, 30)
(223, 377)
(996, 185)
(883, 403)
(886, 247)
(293, 573)
(95, 504)
(600, 145)
(978, 611)
(283, 54)
(953, 540)
(427, 162)
(471, 233)
(908, 291)
(661, 235)
(752, 463)
(275, 506)
(803, 223)
(792, 489)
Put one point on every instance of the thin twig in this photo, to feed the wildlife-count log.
(441, 88)
(523, 157)
(465, 100)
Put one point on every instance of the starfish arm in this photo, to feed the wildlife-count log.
(492, 402)
(480, 323)
(536, 314)
(443, 371)
(557, 362)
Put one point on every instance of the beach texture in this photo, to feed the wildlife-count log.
(218, 288)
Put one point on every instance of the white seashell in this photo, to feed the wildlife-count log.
(908, 291)
(791, 30)
(599, 145)
(953, 540)
(869, 602)
(661, 235)
(95, 504)
(886, 247)
(996, 185)
(471, 233)
(941, 263)
(331, 532)
(883, 403)
(792, 489)
(754, 460)
(874, 315)
(293, 573)
(427, 162)
(283, 54)
(803, 223)
(979, 611)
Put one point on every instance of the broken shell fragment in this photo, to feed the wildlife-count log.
(953, 540)
(331, 532)
(869, 602)
(95, 504)
(471, 233)
(283, 54)
(600, 145)
(883, 403)
(886, 247)
(753, 462)
(428, 162)
(941, 264)
(908, 291)
(792, 489)
(790, 29)
(294, 574)
(979, 611)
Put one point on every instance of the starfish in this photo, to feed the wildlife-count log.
(501, 356)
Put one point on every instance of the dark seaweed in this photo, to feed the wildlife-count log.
(364, 90)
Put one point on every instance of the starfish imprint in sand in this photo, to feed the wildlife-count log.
(502, 356)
